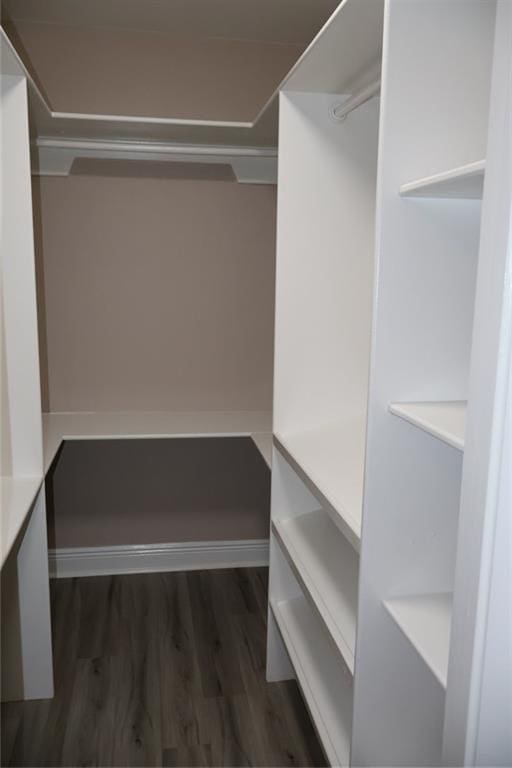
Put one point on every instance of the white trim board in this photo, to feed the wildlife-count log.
(251, 165)
(154, 558)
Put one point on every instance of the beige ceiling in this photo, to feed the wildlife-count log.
(277, 21)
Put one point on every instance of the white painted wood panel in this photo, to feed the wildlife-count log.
(34, 606)
(327, 568)
(426, 621)
(446, 421)
(326, 687)
(478, 700)
(21, 376)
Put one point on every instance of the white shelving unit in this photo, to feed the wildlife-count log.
(446, 421)
(377, 529)
(330, 460)
(463, 183)
(389, 553)
(425, 620)
(433, 365)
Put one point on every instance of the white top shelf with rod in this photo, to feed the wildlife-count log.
(426, 620)
(327, 568)
(464, 183)
(444, 420)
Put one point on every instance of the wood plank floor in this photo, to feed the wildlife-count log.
(161, 670)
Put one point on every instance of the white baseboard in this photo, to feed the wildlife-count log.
(151, 558)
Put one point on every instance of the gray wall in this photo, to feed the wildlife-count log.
(155, 294)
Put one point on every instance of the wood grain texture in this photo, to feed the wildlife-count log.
(161, 670)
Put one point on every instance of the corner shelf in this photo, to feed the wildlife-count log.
(330, 461)
(463, 183)
(17, 497)
(425, 620)
(326, 688)
(154, 424)
(445, 420)
(327, 568)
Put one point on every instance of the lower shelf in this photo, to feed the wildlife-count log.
(17, 497)
(330, 461)
(426, 620)
(327, 567)
(326, 686)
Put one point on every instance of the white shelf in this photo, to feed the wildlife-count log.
(17, 496)
(326, 687)
(463, 183)
(153, 424)
(330, 460)
(263, 441)
(353, 35)
(425, 620)
(444, 420)
(327, 568)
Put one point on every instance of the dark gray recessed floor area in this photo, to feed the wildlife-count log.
(116, 492)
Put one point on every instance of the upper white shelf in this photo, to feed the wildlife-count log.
(463, 183)
(146, 424)
(17, 497)
(426, 622)
(347, 46)
(327, 567)
(444, 420)
(326, 688)
(346, 51)
(262, 131)
(330, 461)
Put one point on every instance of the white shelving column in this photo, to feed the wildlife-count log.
(26, 635)
(435, 94)
(325, 272)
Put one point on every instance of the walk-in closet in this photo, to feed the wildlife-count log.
(256, 302)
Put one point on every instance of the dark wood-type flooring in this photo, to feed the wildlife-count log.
(161, 670)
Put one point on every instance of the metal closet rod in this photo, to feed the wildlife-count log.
(340, 111)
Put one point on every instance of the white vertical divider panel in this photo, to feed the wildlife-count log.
(18, 285)
(326, 205)
(30, 637)
(478, 715)
(434, 109)
(34, 606)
